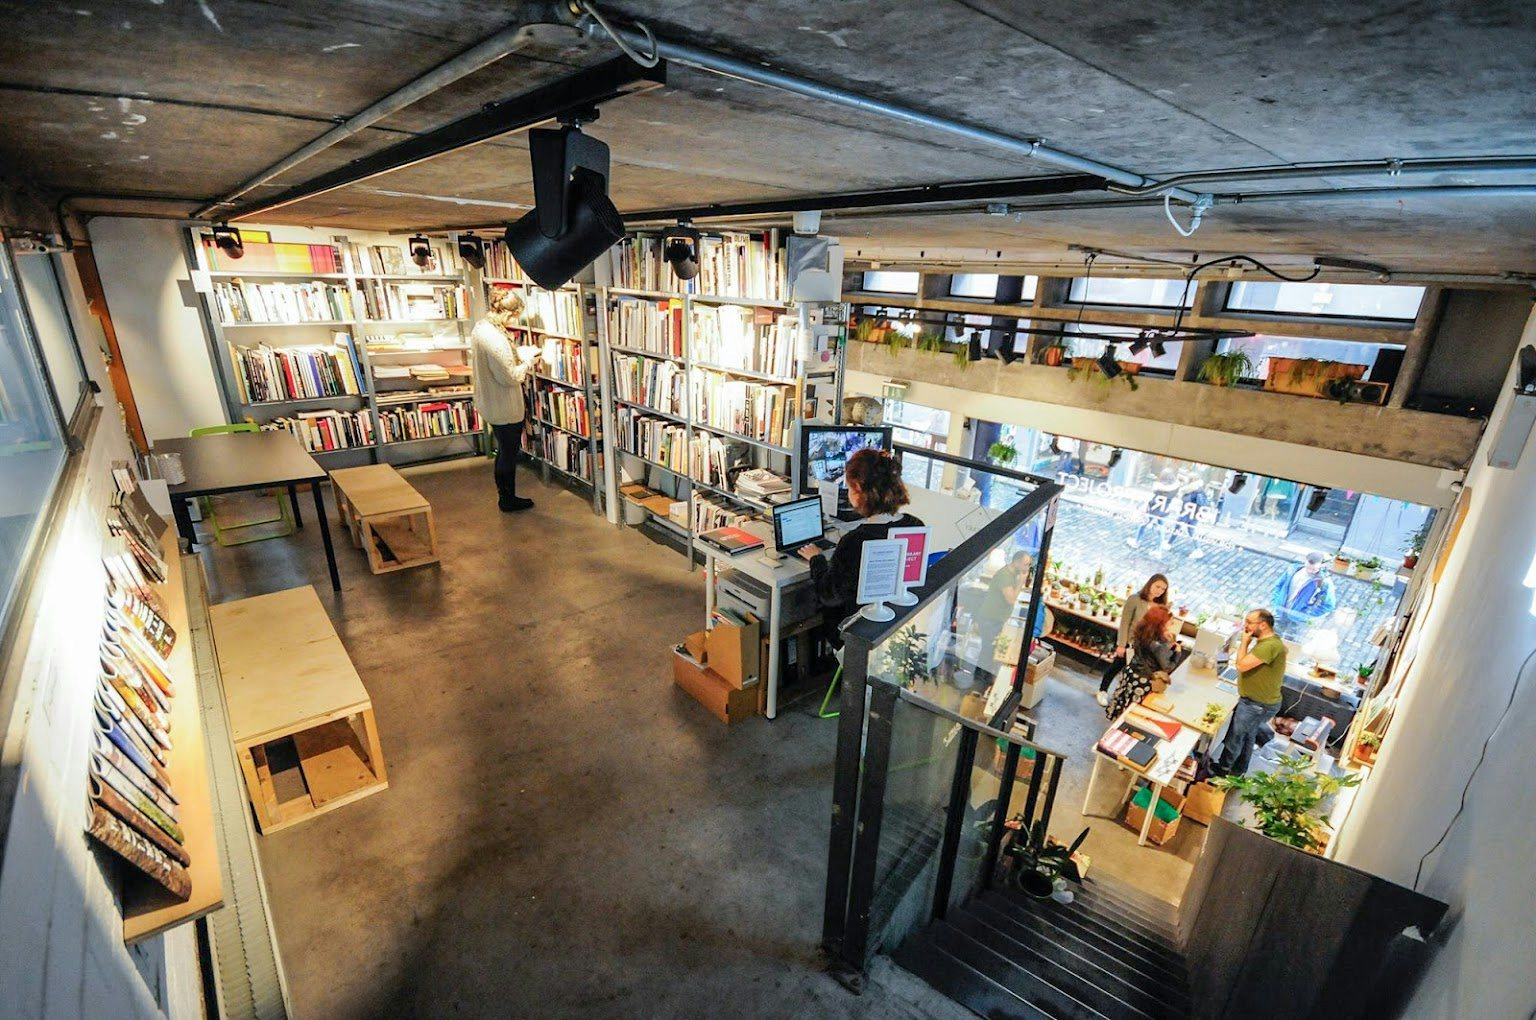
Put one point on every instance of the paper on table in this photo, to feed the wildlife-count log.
(828, 492)
(880, 566)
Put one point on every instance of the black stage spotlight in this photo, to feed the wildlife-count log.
(680, 248)
(1315, 501)
(573, 221)
(1138, 345)
(1004, 349)
(227, 239)
(1238, 481)
(472, 250)
(973, 346)
(1107, 363)
(1115, 456)
(421, 250)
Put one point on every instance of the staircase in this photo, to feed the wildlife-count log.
(1109, 953)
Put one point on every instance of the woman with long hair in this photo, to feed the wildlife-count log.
(1153, 593)
(1154, 649)
(499, 368)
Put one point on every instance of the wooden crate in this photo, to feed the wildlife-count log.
(287, 678)
(387, 518)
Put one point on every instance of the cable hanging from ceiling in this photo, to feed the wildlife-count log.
(644, 60)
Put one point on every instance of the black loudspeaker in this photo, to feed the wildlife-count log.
(572, 221)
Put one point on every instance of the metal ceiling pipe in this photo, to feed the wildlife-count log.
(1030, 148)
(1356, 168)
(482, 54)
(1366, 194)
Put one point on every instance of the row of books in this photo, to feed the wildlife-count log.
(562, 361)
(394, 260)
(713, 457)
(265, 373)
(745, 338)
(647, 325)
(558, 311)
(500, 264)
(566, 409)
(414, 302)
(730, 265)
(269, 257)
(709, 513)
(314, 301)
(424, 421)
(319, 431)
(566, 452)
(657, 384)
(761, 411)
(654, 439)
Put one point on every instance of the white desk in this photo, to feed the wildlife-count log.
(1161, 772)
(789, 570)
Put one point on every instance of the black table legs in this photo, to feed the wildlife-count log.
(293, 501)
(325, 533)
(179, 510)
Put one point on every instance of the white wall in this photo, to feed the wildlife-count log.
(159, 329)
(1475, 636)
(1393, 479)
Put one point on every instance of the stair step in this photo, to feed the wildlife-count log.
(964, 983)
(1114, 912)
(1156, 913)
(1120, 965)
(1081, 978)
(1107, 936)
(1037, 988)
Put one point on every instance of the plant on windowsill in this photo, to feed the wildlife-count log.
(1051, 354)
(1226, 369)
(1367, 568)
(896, 340)
(1002, 454)
(929, 341)
(1285, 801)
(1309, 377)
(962, 356)
(1416, 545)
(1088, 368)
(1036, 862)
(867, 331)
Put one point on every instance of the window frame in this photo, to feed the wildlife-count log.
(1170, 309)
(866, 288)
(1229, 311)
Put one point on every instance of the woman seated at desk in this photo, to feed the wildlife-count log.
(877, 493)
(1154, 648)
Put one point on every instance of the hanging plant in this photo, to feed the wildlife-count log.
(897, 341)
(1002, 453)
(962, 356)
(1227, 369)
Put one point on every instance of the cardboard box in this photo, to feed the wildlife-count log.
(726, 703)
(1203, 802)
(1161, 831)
(696, 646)
(731, 650)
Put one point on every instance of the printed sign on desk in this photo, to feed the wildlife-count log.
(915, 570)
(880, 568)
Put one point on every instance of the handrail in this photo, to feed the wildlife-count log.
(912, 697)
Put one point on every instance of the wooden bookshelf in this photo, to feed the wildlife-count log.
(148, 909)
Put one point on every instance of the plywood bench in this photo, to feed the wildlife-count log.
(302, 723)
(389, 520)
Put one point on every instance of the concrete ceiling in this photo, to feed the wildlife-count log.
(184, 99)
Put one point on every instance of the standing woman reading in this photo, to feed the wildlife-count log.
(499, 369)
(1153, 593)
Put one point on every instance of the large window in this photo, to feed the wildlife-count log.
(890, 283)
(39, 282)
(1144, 355)
(1131, 293)
(983, 286)
(1335, 300)
(1262, 347)
(32, 450)
(916, 425)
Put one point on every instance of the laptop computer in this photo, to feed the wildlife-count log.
(798, 527)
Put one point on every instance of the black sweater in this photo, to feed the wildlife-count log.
(837, 579)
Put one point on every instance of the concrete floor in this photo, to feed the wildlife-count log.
(565, 833)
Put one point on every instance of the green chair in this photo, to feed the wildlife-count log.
(250, 527)
(826, 700)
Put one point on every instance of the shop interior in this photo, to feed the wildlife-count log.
(606, 517)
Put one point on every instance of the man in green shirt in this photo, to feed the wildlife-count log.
(1261, 676)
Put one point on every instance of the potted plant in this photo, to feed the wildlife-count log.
(1363, 673)
(1227, 369)
(865, 332)
(1037, 862)
(929, 341)
(1366, 748)
(1002, 454)
(1308, 377)
(1052, 353)
(1285, 801)
(1367, 568)
(1341, 563)
(1416, 545)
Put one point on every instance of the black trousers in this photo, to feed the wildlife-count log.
(1114, 670)
(509, 450)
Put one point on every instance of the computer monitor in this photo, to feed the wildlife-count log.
(797, 523)
(825, 449)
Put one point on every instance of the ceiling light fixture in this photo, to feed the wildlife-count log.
(1316, 500)
(421, 250)
(573, 221)
(472, 250)
(1138, 345)
(1107, 363)
(227, 239)
(973, 346)
(680, 249)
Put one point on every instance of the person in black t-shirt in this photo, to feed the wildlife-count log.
(877, 492)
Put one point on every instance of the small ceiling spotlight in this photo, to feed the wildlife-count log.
(1115, 456)
(1004, 349)
(1138, 345)
(1316, 500)
(973, 346)
(680, 249)
(472, 250)
(1107, 363)
(1158, 348)
(227, 239)
(421, 250)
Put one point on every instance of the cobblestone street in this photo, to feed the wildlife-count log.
(1225, 578)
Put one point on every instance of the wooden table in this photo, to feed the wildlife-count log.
(1189, 691)
(286, 675)
(241, 462)
(382, 510)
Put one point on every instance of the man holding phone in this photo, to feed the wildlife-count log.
(1260, 664)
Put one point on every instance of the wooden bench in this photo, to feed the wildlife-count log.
(302, 723)
(389, 520)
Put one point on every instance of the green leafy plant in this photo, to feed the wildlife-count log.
(1037, 861)
(1371, 740)
(906, 657)
(1226, 369)
(864, 330)
(1419, 538)
(962, 356)
(897, 341)
(1088, 369)
(1213, 713)
(1003, 454)
(1365, 671)
(1303, 368)
(1285, 801)
(1369, 563)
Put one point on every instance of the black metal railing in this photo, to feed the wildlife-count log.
(918, 809)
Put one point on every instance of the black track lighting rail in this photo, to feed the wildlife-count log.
(581, 90)
(1146, 336)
